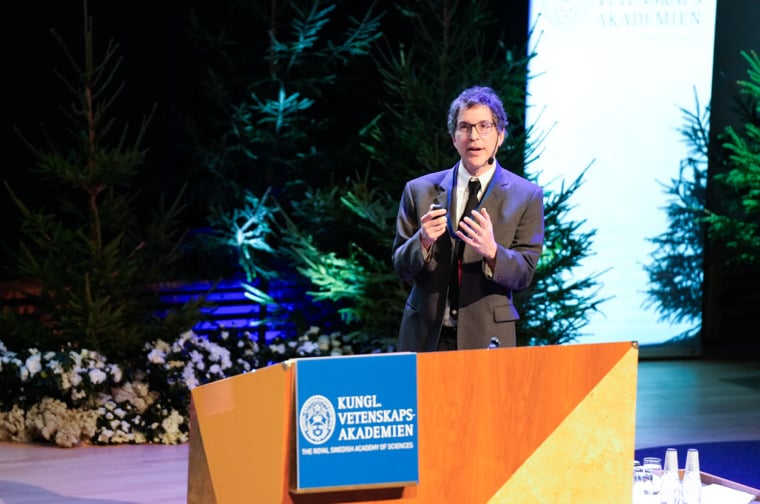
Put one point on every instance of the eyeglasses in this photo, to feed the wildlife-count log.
(483, 127)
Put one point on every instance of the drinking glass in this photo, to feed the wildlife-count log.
(639, 481)
(653, 468)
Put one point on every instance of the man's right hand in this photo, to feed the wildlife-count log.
(433, 225)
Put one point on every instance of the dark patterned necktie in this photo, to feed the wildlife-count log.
(473, 187)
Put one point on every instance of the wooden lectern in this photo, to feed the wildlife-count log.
(551, 424)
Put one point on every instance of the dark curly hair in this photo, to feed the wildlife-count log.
(478, 95)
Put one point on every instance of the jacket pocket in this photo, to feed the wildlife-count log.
(505, 313)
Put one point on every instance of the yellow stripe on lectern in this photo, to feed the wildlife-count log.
(589, 456)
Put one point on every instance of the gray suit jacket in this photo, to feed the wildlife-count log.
(516, 209)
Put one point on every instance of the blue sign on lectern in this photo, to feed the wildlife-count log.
(356, 421)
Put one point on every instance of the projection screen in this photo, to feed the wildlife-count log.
(609, 80)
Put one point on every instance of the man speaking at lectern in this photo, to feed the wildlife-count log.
(464, 270)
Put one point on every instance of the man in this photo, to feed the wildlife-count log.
(465, 270)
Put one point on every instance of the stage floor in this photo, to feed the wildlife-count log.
(678, 402)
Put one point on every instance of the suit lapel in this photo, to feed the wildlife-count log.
(499, 192)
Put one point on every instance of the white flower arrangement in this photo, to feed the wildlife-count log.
(13, 425)
(51, 420)
(78, 397)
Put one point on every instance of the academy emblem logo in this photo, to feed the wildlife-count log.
(566, 13)
(317, 419)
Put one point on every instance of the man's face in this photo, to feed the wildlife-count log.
(476, 144)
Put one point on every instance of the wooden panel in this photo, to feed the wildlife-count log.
(199, 485)
(483, 413)
(587, 458)
(244, 422)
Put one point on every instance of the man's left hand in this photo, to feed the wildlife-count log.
(476, 231)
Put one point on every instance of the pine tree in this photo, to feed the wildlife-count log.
(95, 257)
(273, 110)
(676, 271)
(736, 224)
(281, 143)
